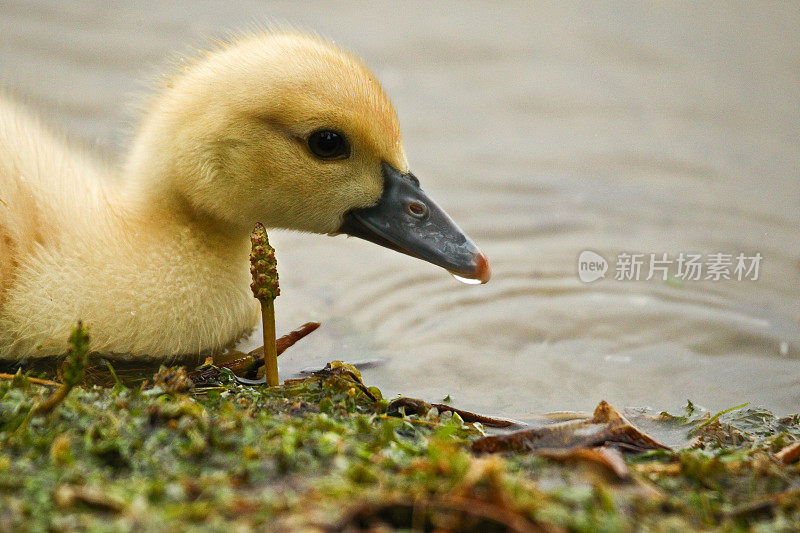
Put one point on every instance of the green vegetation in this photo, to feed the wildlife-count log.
(328, 453)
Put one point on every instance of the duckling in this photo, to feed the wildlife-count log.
(281, 128)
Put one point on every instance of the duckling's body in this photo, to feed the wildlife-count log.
(154, 257)
(150, 282)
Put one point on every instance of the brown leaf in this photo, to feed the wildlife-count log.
(789, 454)
(606, 427)
(605, 456)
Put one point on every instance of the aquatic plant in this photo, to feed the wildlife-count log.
(264, 269)
(71, 370)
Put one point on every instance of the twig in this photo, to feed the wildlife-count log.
(286, 341)
(263, 268)
(38, 381)
(421, 407)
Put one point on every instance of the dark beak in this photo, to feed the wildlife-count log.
(407, 220)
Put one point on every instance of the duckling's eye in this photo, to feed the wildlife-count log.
(327, 144)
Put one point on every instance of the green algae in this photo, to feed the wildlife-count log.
(321, 453)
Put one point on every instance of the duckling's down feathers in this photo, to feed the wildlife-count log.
(154, 261)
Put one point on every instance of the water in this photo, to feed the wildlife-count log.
(545, 130)
(466, 281)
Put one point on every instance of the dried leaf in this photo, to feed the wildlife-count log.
(606, 427)
(605, 456)
(789, 454)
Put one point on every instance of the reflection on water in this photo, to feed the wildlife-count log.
(544, 131)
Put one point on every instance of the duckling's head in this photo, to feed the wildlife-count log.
(288, 130)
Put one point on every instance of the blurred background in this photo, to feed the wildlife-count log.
(545, 129)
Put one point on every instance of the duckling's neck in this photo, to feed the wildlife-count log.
(184, 268)
(173, 213)
(195, 237)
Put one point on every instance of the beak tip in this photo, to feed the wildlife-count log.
(483, 271)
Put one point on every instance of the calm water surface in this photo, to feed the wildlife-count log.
(545, 129)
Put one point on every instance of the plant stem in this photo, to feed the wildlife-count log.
(264, 269)
(270, 347)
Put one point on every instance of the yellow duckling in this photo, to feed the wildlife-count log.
(281, 128)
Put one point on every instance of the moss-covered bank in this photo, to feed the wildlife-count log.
(322, 453)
